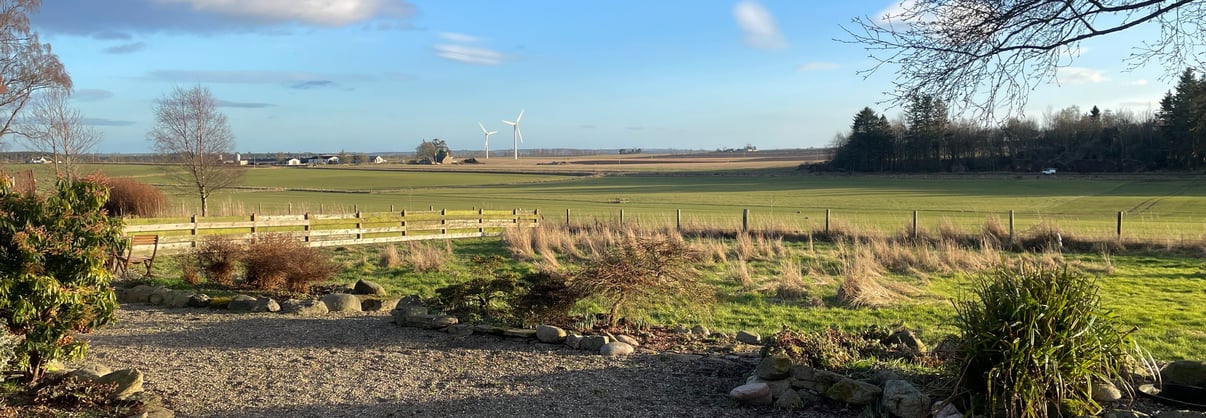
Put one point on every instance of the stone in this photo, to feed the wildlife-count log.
(1124, 414)
(549, 334)
(700, 330)
(241, 303)
(752, 394)
(90, 371)
(816, 380)
(593, 343)
(178, 299)
(444, 321)
(374, 305)
(946, 410)
(626, 339)
(136, 294)
(460, 330)
(159, 296)
(904, 400)
(410, 301)
(1105, 392)
(365, 287)
(199, 300)
(616, 348)
(853, 392)
(573, 341)
(129, 382)
(266, 305)
(749, 337)
(774, 367)
(342, 302)
(303, 307)
(519, 333)
(789, 400)
(488, 329)
(882, 376)
(156, 412)
(1180, 414)
(905, 338)
(1184, 372)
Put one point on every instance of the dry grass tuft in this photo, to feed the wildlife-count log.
(389, 257)
(428, 257)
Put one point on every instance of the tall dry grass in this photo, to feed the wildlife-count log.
(428, 256)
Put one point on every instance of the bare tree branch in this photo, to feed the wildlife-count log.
(26, 65)
(56, 128)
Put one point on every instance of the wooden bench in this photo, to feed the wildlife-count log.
(123, 261)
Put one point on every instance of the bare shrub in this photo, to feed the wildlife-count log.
(426, 257)
(219, 256)
(389, 257)
(740, 272)
(519, 242)
(643, 272)
(129, 197)
(278, 261)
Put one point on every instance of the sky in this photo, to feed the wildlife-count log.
(326, 76)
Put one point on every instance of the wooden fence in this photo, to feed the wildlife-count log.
(181, 234)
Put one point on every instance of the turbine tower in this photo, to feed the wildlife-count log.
(517, 137)
(488, 133)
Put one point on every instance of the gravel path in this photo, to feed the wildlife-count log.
(216, 364)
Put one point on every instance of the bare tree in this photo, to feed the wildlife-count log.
(56, 128)
(190, 132)
(983, 57)
(26, 65)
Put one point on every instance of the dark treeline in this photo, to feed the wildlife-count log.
(926, 139)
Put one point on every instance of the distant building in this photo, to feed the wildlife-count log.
(324, 159)
(293, 161)
(39, 160)
(377, 159)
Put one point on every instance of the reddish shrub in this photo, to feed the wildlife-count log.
(277, 261)
(129, 197)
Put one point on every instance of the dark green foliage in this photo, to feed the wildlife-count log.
(1034, 338)
(53, 280)
(487, 295)
(278, 261)
(548, 299)
(869, 146)
(1182, 118)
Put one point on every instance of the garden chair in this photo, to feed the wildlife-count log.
(122, 262)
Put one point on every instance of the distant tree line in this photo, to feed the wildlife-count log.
(926, 139)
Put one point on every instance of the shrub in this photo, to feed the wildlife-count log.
(389, 257)
(53, 280)
(8, 348)
(1036, 338)
(277, 261)
(129, 197)
(484, 296)
(642, 272)
(219, 257)
(73, 393)
(830, 349)
(547, 300)
(425, 257)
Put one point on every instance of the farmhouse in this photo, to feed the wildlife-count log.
(39, 160)
(377, 159)
(323, 159)
(292, 161)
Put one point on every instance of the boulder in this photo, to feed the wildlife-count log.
(904, 400)
(365, 287)
(266, 305)
(1184, 372)
(460, 330)
(700, 330)
(342, 302)
(178, 299)
(374, 305)
(593, 343)
(789, 400)
(774, 367)
(303, 307)
(946, 410)
(519, 333)
(488, 329)
(752, 394)
(410, 301)
(128, 381)
(90, 371)
(199, 300)
(749, 337)
(159, 296)
(853, 392)
(627, 340)
(905, 338)
(444, 321)
(816, 380)
(136, 294)
(1104, 392)
(573, 341)
(241, 303)
(616, 348)
(549, 334)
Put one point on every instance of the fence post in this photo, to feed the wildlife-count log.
(481, 220)
(914, 224)
(403, 222)
(678, 219)
(443, 221)
(306, 227)
(1011, 226)
(253, 230)
(290, 208)
(567, 218)
(745, 220)
(320, 208)
(193, 232)
(826, 221)
(430, 207)
(359, 225)
(391, 208)
(1119, 229)
(621, 217)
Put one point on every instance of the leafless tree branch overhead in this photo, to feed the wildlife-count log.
(985, 56)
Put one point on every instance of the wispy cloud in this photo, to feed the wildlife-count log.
(106, 122)
(1079, 75)
(458, 37)
(470, 54)
(287, 78)
(817, 66)
(758, 26)
(112, 35)
(125, 48)
(312, 84)
(1139, 82)
(895, 13)
(331, 13)
(91, 95)
(243, 105)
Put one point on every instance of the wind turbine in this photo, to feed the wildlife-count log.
(488, 133)
(517, 137)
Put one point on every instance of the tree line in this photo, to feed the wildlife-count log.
(926, 139)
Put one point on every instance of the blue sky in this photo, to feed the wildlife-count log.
(381, 75)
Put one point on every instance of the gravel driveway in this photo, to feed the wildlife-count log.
(217, 364)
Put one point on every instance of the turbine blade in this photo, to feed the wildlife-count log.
(520, 133)
(510, 123)
(482, 126)
(520, 116)
(491, 133)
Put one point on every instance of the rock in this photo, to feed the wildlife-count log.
(700, 330)
(752, 394)
(626, 339)
(853, 392)
(90, 372)
(365, 287)
(904, 400)
(241, 303)
(266, 305)
(549, 334)
(178, 299)
(159, 296)
(816, 380)
(342, 302)
(779, 387)
(374, 305)
(1180, 414)
(410, 301)
(946, 410)
(774, 367)
(573, 341)
(303, 307)
(519, 333)
(488, 329)
(136, 294)
(1105, 392)
(444, 321)
(460, 330)
(679, 329)
(882, 376)
(155, 412)
(593, 343)
(129, 382)
(199, 300)
(789, 400)
(616, 348)
(1184, 372)
(749, 337)
(1124, 414)
(905, 338)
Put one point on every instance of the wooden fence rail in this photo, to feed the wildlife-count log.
(182, 234)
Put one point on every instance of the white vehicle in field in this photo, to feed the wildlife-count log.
(1049, 171)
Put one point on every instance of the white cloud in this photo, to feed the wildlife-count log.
(758, 26)
(316, 12)
(470, 54)
(1079, 75)
(1139, 82)
(459, 37)
(895, 12)
(816, 66)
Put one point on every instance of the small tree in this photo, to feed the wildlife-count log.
(56, 128)
(191, 132)
(27, 66)
(640, 273)
(431, 149)
(53, 280)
